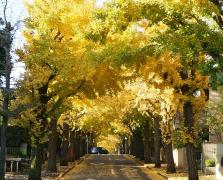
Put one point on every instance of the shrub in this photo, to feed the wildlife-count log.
(210, 163)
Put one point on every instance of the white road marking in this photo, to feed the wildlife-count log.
(97, 163)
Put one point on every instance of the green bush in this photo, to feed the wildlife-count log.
(210, 163)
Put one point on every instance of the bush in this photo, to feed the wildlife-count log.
(178, 140)
(210, 163)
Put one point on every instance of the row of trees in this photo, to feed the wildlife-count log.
(109, 71)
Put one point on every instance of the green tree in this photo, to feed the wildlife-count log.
(7, 31)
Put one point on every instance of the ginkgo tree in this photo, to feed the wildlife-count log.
(164, 74)
(58, 60)
(104, 115)
(167, 43)
(134, 30)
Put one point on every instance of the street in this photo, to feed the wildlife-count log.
(105, 167)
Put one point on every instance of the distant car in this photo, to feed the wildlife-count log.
(98, 150)
(102, 150)
(94, 150)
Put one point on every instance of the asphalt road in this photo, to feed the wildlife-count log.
(109, 167)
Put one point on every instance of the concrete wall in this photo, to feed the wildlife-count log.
(180, 157)
(212, 151)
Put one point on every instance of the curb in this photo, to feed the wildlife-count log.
(160, 174)
(71, 167)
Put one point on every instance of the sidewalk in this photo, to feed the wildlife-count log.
(62, 170)
(176, 176)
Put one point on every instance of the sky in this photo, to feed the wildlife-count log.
(16, 11)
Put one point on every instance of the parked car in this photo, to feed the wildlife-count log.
(99, 150)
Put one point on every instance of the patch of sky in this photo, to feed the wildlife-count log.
(15, 14)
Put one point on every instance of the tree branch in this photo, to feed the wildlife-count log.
(4, 11)
(216, 2)
(61, 100)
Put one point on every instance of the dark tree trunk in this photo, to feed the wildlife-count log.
(168, 148)
(77, 145)
(83, 145)
(36, 163)
(72, 147)
(150, 143)
(131, 145)
(134, 144)
(52, 147)
(65, 143)
(91, 144)
(169, 158)
(3, 148)
(146, 130)
(37, 149)
(6, 96)
(123, 146)
(190, 149)
(139, 144)
(157, 142)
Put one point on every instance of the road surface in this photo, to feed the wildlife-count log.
(110, 167)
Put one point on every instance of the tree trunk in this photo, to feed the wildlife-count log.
(36, 163)
(138, 144)
(6, 98)
(37, 151)
(146, 142)
(134, 145)
(4, 130)
(82, 145)
(52, 147)
(65, 144)
(140, 147)
(168, 147)
(157, 142)
(3, 148)
(190, 149)
(123, 146)
(131, 145)
(126, 145)
(71, 147)
(77, 145)
(169, 158)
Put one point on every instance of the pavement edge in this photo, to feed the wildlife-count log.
(61, 175)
